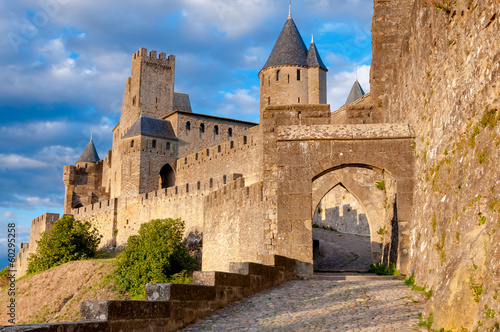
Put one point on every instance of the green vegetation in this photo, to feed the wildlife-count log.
(410, 282)
(477, 289)
(156, 255)
(4, 274)
(472, 136)
(482, 156)
(382, 232)
(380, 185)
(68, 240)
(440, 248)
(440, 4)
(382, 269)
(482, 220)
(489, 119)
(434, 223)
(426, 323)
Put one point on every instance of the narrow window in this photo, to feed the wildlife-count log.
(133, 101)
(269, 100)
(224, 178)
(288, 78)
(269, 80)
(185, 161)
(298, 74)
(187, 187)
(132, 144)
(157, 100)
(202, 130)
(230, 132)
(154, 144)
(196, 155)
(218, 148)
(188, 126)
(232, 144)
(168, 146)
(298, 100)
(211, 182)
(244, 140)
(208, 152)
(278, 74)
(198, 185)
(216, 130)
(86, 166)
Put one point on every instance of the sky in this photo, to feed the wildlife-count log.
(64, 65)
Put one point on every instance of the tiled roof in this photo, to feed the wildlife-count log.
(289, 49)
(313, 58)
(89, 154)
(148, 126)
(181, 102)
(356, 93)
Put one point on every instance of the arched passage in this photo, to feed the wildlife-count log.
(356, 200)
(341, 233)
(167, 177)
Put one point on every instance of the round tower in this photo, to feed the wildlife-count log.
(292, 74)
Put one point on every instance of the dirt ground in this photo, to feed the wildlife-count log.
(341, 252)
(55, 295)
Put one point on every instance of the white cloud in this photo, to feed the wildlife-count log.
(9, 215)
(241, 101)
(37, 201)
(339, 85)
(233, 18)
(14, 161)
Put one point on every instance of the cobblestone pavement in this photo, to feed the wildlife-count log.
(319, 305)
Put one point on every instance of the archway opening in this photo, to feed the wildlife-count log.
(356, 205)
(167, 177)
(341, 233)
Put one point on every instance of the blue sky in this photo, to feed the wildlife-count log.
(64, 64)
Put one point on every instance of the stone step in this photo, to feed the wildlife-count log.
(353, 277)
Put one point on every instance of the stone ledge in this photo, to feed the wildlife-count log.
(179, 292)
(116, 310)
(220, 279)
(344, 132)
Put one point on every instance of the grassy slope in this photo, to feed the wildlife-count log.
(55, 295)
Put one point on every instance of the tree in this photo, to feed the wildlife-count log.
(156, 255)
(68, 240)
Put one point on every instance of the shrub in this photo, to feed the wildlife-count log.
(156, 255)
(440, 4)
(380, 185)
(382, 269)
(4, 275)
(68, 240)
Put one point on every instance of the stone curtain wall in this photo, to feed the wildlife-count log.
(117, 219)
(446, 85)
(233, 226)
(241, 156)
(39, 225)
(341, 211)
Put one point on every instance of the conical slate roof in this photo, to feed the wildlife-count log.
(289, 49)
(356, 93)
(313, 58)
(89, 154)
(148, 126)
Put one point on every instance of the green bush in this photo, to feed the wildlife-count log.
(382, 269)
(68, 240)
(4, 274)
(156, 255)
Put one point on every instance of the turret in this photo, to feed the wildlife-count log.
(292, 74)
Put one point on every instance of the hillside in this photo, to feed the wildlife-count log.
(55, 295)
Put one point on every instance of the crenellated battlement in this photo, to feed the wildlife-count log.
(216, 152)
(154, 57)
(45, 219)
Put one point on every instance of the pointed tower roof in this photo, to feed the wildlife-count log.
(153, 127)
(289, 49)
(356, 93)
(89, 154)
(313, 58)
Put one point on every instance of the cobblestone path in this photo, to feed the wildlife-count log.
(320, 305)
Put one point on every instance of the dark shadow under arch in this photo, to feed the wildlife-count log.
(167, 177)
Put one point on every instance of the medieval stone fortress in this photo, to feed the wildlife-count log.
(412, 164)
